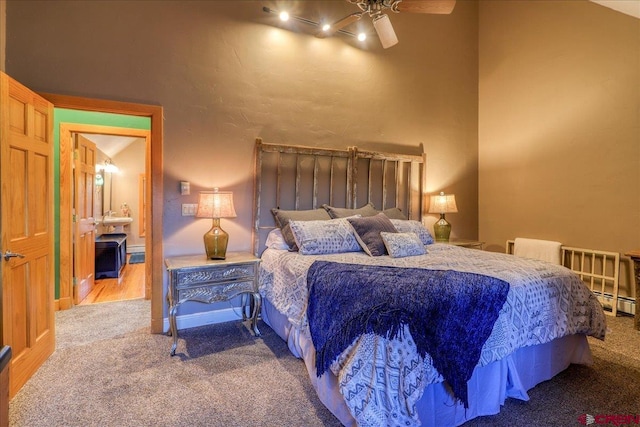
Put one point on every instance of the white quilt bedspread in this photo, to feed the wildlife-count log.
(381, 379)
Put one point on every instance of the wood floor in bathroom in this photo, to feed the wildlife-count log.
(130, 285)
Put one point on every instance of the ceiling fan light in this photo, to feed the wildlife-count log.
(362, 37)
(383, 27)
(284, 16)
(326, 27)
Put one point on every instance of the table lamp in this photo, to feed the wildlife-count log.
(442, 204)
(215, 205)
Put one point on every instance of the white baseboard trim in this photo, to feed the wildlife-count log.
(205, 318)
(135, 248)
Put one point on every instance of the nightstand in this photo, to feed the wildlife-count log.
(473, 244)
(196, 278)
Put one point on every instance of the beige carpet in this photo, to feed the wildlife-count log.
(108, 370)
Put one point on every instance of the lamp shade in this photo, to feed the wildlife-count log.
(215, 204)
(443, 203)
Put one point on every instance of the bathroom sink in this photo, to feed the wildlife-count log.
(116, 221)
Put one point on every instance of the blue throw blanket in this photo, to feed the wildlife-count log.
(450, 314)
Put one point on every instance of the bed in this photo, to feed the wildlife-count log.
(380, 333)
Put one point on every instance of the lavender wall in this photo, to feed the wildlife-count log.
(225, 73)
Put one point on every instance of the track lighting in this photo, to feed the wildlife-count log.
(326, 29)
(381, 21)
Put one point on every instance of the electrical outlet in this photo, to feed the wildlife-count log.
(189, 209)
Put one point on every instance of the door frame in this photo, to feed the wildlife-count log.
(154, 273)
(67, 257)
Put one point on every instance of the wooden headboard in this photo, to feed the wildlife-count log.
(299, 178)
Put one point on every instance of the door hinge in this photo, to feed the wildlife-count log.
(75, 281)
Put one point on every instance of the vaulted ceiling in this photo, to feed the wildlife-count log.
(110, 144)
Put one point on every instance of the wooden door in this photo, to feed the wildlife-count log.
(84, 217)
(26, 229)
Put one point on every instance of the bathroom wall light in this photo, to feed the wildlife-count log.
(107, 166)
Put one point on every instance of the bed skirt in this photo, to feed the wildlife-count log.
(488, 387)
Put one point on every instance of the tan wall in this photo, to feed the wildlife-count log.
(226, 74)
(559, 125)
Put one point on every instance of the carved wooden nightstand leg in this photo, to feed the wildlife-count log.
(257, 303)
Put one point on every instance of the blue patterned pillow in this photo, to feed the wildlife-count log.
(324, 237)
(403, 244)
(282, 218)
(411, 226)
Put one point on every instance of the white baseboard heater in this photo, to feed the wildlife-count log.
(600, 271)
(625, 305)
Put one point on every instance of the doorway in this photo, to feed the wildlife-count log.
(108, 162)
(154, 276)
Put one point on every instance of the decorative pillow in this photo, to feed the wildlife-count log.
(394, 213)
(275, 240)
(368, 232)
(282, 218)
(411, 226)
(403, 244)
(366, 210)
(324, 237)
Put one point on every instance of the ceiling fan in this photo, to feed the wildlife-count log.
(381, 21)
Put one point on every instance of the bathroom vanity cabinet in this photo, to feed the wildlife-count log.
(111, 255)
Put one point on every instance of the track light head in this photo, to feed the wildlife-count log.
(383, 27)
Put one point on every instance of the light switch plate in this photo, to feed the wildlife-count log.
(189, 209)
(185, 188)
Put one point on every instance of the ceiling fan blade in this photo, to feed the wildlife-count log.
(384, 29)
(443, 7)
(337, 26)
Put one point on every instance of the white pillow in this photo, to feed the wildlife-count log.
(275, 240)
(324, 237)
(403, 244)
(409, 225)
